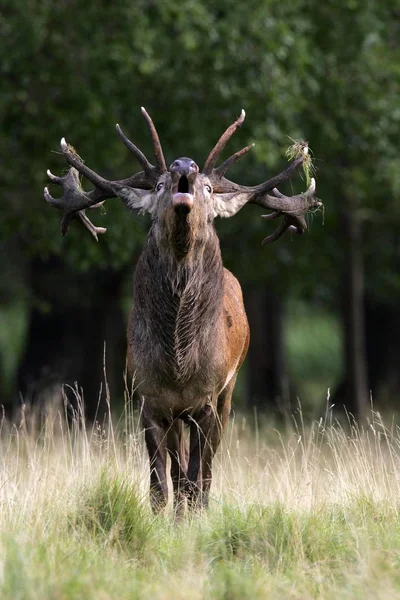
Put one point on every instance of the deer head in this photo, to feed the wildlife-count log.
(181, 199)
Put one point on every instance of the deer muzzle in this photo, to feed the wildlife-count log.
(182, 202)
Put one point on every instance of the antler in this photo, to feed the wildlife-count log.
(158, 153)
(292, 208)
(75, 200)
(220, 145)
(235, 196)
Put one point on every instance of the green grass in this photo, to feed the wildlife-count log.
(312, 513)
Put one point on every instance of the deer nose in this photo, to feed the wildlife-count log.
(184, 166)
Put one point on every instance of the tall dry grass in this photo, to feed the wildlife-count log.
(309, 512)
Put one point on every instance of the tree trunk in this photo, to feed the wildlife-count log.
(72, 316)
(268, 381)
(353, 393)
(383, 352)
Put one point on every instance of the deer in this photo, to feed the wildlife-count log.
(188, 333)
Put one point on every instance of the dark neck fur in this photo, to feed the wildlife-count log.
(179, 302)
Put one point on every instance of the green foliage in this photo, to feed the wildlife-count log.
(353, 122)
(11, 337)
(286, 65)
(86, 78)
(326, 72)
(313, 348)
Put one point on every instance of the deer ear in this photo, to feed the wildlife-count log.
(142, 201)
(228, 204)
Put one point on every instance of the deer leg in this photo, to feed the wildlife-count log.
(155, 437)
(205, 438)
(176, 445)
(201, 452)
(223, 412)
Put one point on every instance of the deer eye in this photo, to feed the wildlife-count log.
(159, 186)
(208, 188)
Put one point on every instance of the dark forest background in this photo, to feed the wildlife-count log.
(323, 308)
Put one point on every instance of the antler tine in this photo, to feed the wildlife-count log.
(220, 145)
(144, 162)
(292, 209)
(75, 200)
(75, 161)
(277, 233)
(283, 176)
(224, 185)
(94, 230)
(158, 153)
(222, 169)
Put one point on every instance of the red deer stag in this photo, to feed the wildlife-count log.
(188, 333)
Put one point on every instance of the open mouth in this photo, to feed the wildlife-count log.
(182, 199)
(183, 185)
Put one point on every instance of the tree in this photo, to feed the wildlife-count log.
(355, 125)
(286, 64)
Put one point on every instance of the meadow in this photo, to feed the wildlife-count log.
(312, 512)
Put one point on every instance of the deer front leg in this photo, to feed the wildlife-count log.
(176, 445)
(155, 437)
(204, 439)
(223, 412)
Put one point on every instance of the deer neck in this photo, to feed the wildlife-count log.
(186, 303)
(181, 239)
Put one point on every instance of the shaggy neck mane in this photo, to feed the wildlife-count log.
(181, 238)
(184, 302)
